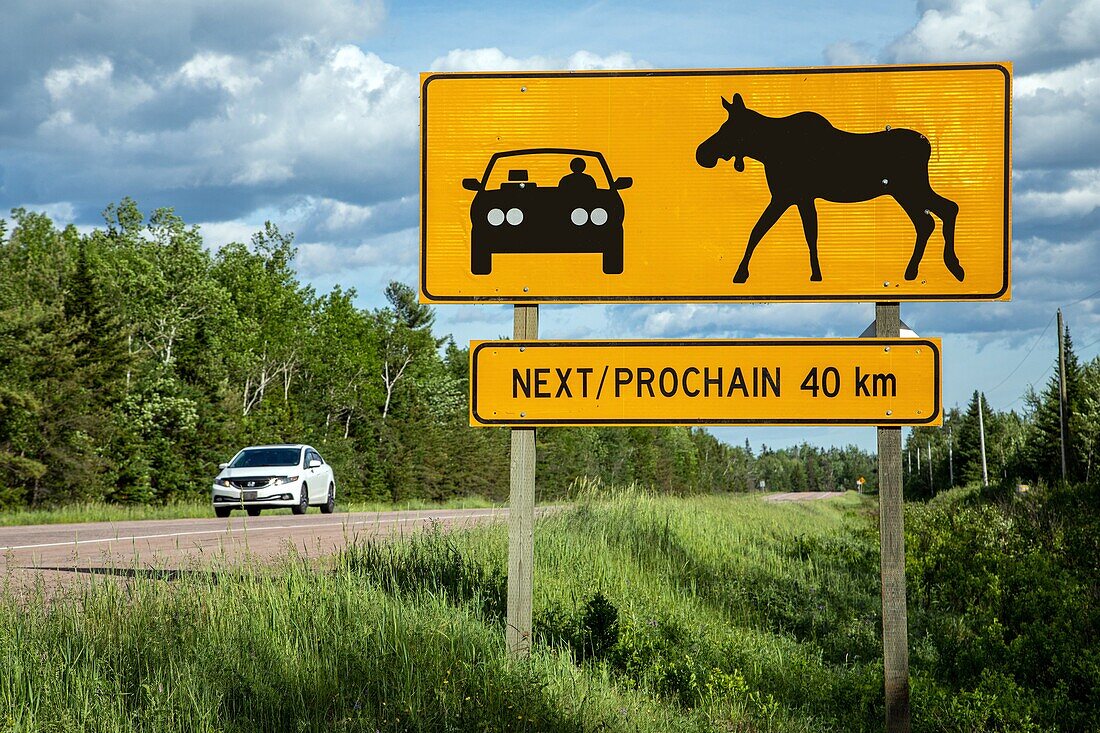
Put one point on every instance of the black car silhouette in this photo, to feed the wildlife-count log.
(543, 200)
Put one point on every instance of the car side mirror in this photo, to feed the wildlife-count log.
(223, 466)
(314, 464)
(621, 183)
(471, 184)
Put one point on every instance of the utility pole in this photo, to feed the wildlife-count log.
(930, 486)
(1062, 427)
(981, 429)
(950, 460)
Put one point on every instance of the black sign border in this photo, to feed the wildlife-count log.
(520, 422)
(886, 294)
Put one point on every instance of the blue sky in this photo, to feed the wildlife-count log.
(237, 111)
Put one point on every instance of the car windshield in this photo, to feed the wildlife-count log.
(546, 170)
(256, 457)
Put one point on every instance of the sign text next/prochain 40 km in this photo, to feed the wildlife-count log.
(692, 381)
(792, 381)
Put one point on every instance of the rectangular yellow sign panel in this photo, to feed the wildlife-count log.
(757, 382)
(873, 183)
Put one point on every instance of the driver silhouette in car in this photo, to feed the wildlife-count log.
(578, 180)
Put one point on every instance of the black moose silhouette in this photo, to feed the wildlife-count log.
(805, 158)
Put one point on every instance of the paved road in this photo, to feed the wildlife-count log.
(58, 550)
(803, 495)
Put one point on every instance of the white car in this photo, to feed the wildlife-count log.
(274, 476)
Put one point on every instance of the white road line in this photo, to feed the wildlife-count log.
(246, 530)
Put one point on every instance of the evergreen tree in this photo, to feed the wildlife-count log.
(1043, 450)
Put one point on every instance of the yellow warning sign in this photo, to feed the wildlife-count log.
(869, 183)
(761, 382)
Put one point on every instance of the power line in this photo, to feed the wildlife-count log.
(1090, 343)
(1090, 296)
(1032, 385)
(1033, 345)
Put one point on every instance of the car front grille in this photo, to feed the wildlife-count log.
(252, 482)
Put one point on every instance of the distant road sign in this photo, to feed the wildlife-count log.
(762, 382)
(871, 183)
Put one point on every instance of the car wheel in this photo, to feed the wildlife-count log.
(481, 261)
(221, 512)
(253, 511)
(329, 506)
(303, 502)
(613, 260)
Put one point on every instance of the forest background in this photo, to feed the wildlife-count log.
(134, 360)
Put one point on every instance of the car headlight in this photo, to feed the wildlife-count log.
(515, 217)
(496, 217)
(599, 217)
(285, 480)
(579, 217)
(223, 482)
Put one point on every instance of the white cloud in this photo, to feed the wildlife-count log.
(1058, 116)
(845, 53)
(60, 82)
(1053, 268)
(60, 212)
(324, 258)
(303, 111)
(343, 216)
(710, 320)
(332, 236)
(217, 234)
(493, 59)
(222, 70)
(1080, 78)
(1036, 35)
(587, 60)
(1079, 198)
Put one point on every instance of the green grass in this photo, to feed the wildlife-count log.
(102, 512)
(298, 650)
(408, 635)
(651, 614)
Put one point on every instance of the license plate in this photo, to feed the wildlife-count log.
(250, 496)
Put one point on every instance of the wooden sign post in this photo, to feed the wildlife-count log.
(521, 510)
(895, 634)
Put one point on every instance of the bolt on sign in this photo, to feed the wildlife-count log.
(815, 184)
(694, 382)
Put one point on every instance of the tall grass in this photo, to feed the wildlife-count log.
(748, 615)
(297, 650)
(651, 614)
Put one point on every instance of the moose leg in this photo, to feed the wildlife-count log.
(767, 220)
(947, 211)
(808, 211)
(925, 225)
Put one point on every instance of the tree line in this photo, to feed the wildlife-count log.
(133, 360)
(1020, 447)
